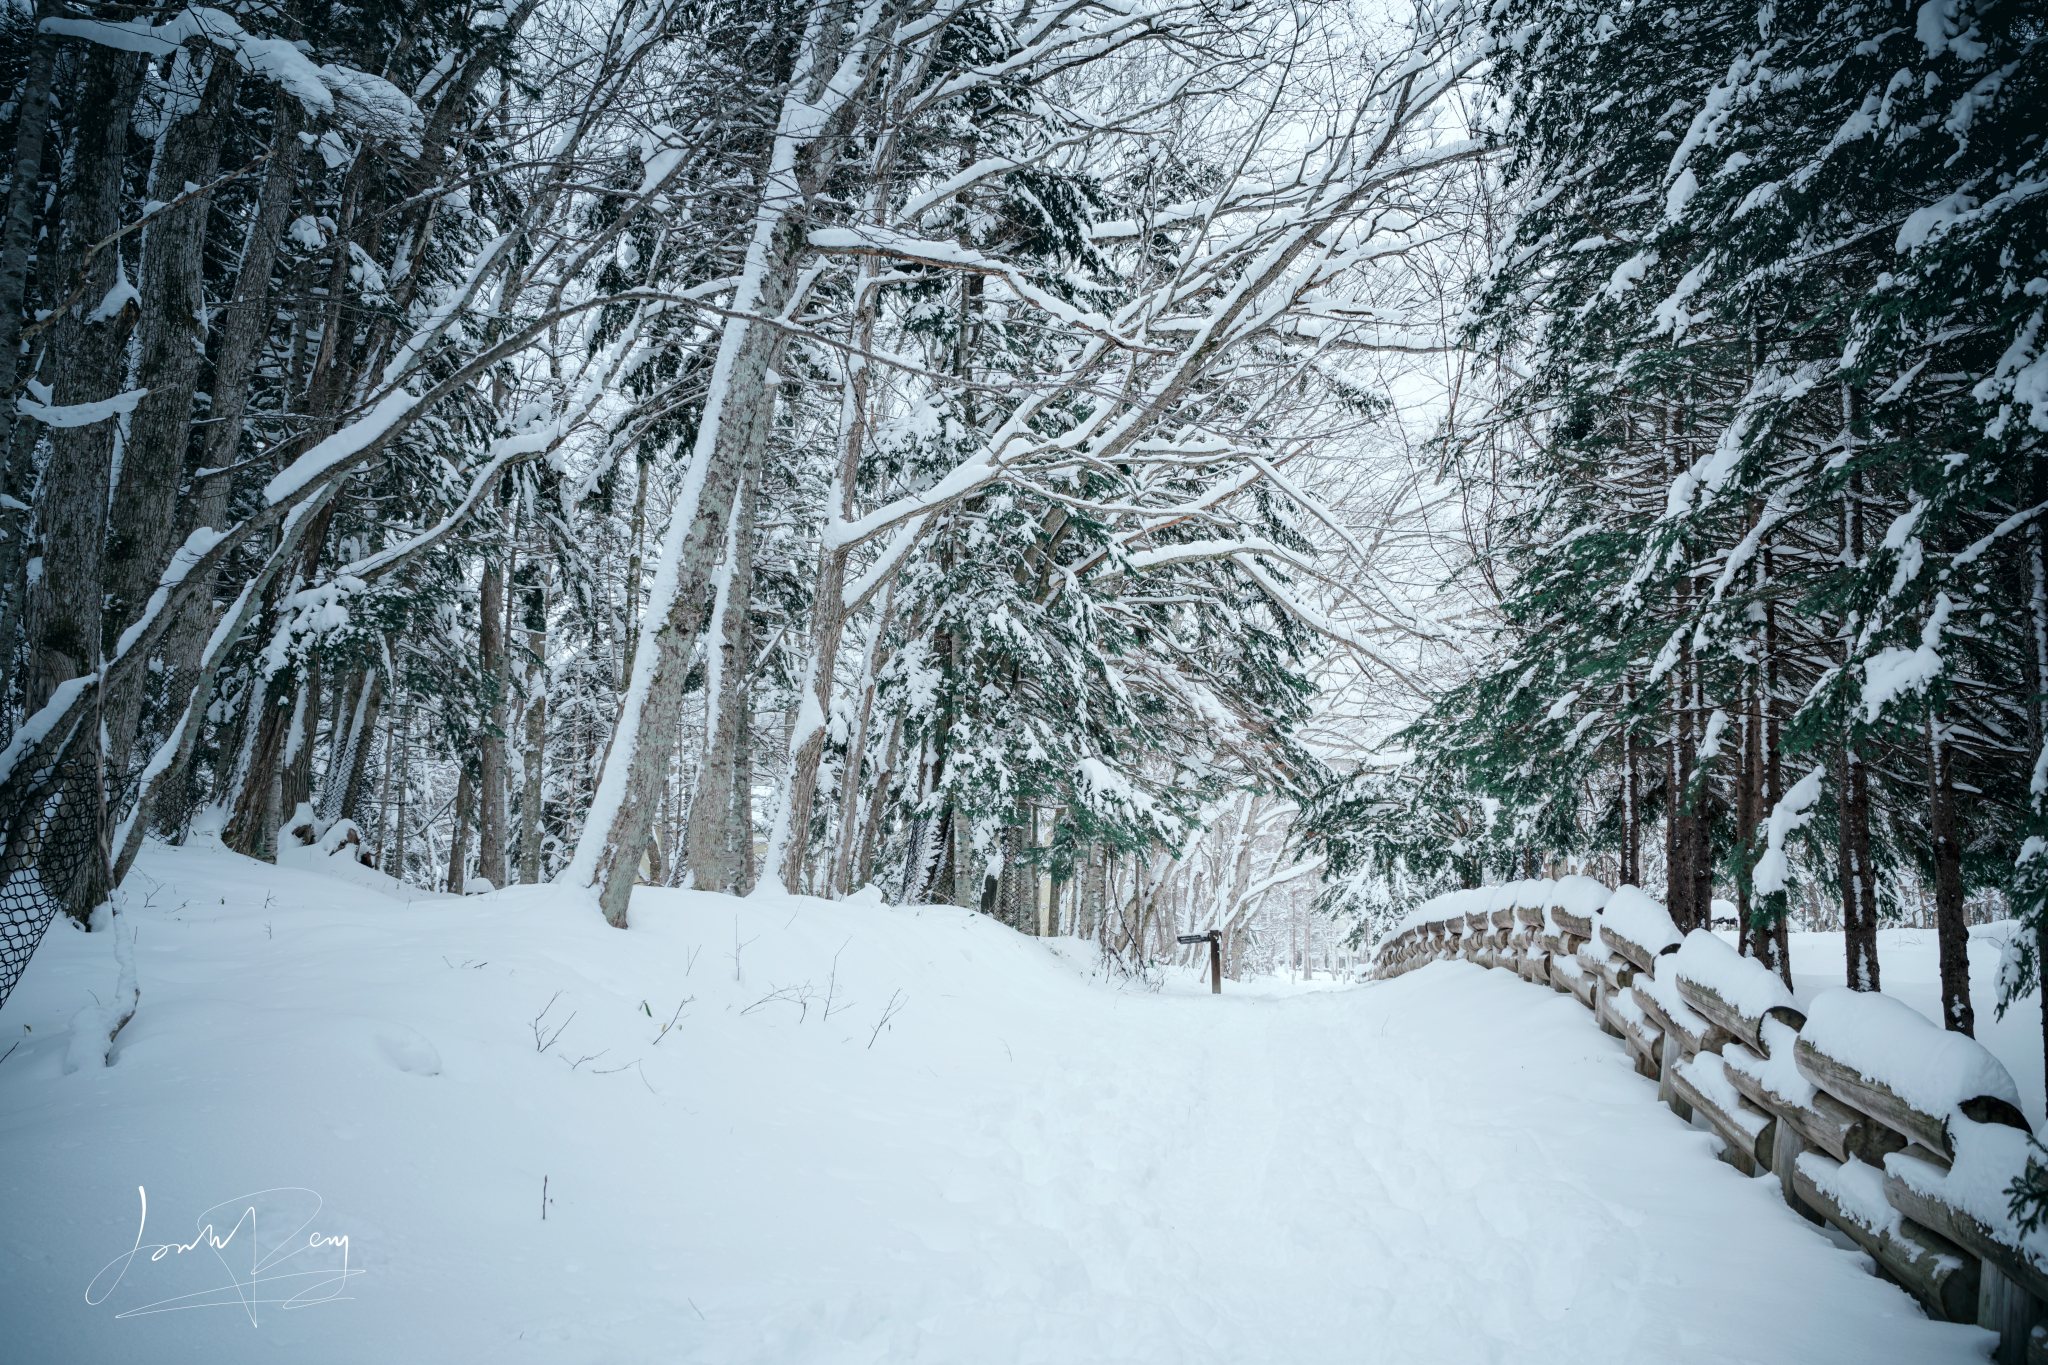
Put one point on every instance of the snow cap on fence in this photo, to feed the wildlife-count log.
(1576, 895)
(1748, 986)
(1640, 920)
(1889, 1041)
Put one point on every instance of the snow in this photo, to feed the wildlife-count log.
(1989, 1156)
(1581, 896)
(80, 414)
(1640, 920)
(1779, 1072)
(1889, 1041)
(1706, 1076)
(1856, 1187)
(1748, 986)
(1452, 905)
(1026, 1162)
(1664, 990)
(1793, 810)
(1893, 672)
(367, 102)
(342, 446)
(1624, 1005)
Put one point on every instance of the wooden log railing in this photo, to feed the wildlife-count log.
(1868, 1118)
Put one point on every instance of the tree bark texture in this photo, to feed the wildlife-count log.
(739, 434)
(712, 838)
(170, 341)
(492, 834)
(1951, 927)
(84, 364)
(17, 241)
(458, 841)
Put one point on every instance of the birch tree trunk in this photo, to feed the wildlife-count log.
(789, 839)
(850, 824)
(835, 60)
(714, 836)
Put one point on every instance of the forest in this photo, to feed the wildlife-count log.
(1135, 468)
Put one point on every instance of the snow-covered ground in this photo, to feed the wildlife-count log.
(872, 1134)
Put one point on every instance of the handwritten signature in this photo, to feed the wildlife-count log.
(299, 1256)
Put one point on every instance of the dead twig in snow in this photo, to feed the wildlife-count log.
(800, 996)
(691, 1000)
(542, 1039)
(738, 947)
(889, 1011)
(832, 987)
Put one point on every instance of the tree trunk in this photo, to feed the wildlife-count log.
(713, 856)
(2037, 712)
(296, 771)
(878, 810)
(1632, 804)
(1675, 883)
(356, 754)
(1951, 929)
(636, 542)
(258, 799)
(959, 869)
(740, 825)
(733, 432)
(491, 777)
(86, 348)
(170, 339)
(404, 788)
(530, 796)
(245, 322)
(1701, 827)
(17, 242)
(1016, 905)
(739, 410)
(1859, 876)
(1859, 887)
(1089, 909)
(458, 839)
(789, 842)
(1774, 772)
(849, 783)
(232, 357)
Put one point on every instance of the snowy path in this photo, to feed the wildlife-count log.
(1027, 1165)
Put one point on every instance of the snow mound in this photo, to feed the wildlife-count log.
(1780, 1071)
(1640, 920)
(1581, 896)
(1749, 987)
(1889, 1041)
(777, 1131)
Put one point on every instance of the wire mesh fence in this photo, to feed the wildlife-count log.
(52, 858)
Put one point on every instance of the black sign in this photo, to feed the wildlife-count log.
(1194, 938)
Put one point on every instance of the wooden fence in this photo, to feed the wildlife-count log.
(1871, 1118)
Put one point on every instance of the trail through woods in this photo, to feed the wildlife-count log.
(1025, 1162)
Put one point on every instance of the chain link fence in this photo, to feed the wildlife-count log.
(52, 857)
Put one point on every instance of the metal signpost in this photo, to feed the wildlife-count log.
(1214, 938)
